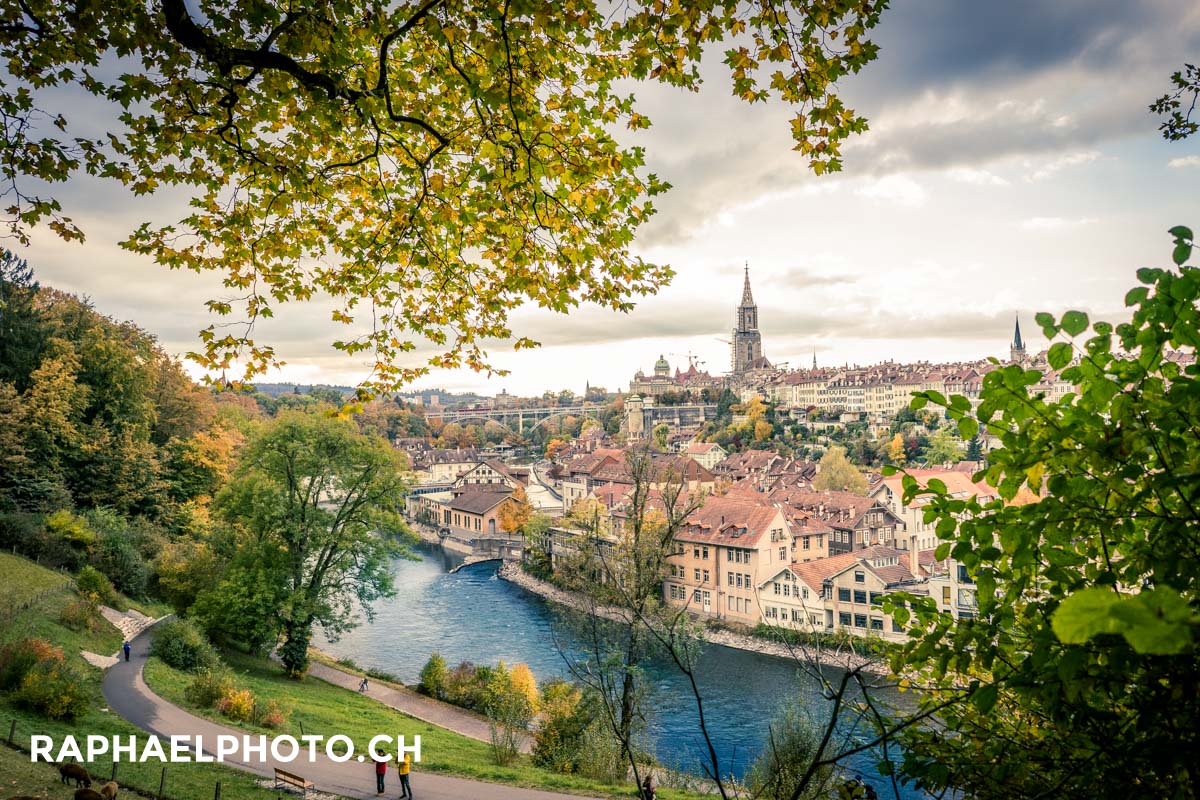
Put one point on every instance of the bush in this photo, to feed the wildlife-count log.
(433, 677)
(19, 657)
(559, 735)
(463, 687)
(54, 690)
(93, 583)
(180, 644)
(118, 558)
(269, 714)
(81, 614)
(237, 704)
(209, 686)
(71, 529)
(777, 772)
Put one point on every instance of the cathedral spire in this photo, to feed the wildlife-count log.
(747, 297)
(1016, 351)
(1017, 343)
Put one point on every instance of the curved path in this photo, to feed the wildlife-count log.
(128, 695)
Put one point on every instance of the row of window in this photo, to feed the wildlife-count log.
(862, 621)
(860, 596)
(738, 579)
(785, 589)
(796, 615)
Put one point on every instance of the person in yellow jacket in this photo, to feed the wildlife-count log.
(403, 767)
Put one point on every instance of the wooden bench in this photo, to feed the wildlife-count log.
(291, 779)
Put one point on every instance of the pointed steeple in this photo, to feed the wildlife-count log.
(814, 359)
(1016, 351)
(747, 297)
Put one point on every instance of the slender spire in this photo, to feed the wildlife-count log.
(814, 359)
(747, 297)
(1017, 343)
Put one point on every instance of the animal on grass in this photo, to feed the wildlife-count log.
(88, 794)
(74, 772)
(109, 790)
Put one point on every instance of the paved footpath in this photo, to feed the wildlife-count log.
(128, 695)
(415, 705)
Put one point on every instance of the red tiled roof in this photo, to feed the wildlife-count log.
(729, 521)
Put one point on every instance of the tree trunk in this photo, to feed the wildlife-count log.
(294, 650)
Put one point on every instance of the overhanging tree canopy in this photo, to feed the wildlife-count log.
(430, 164)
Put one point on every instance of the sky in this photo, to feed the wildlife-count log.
(1011, 167)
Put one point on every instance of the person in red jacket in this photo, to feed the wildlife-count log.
(380, 772)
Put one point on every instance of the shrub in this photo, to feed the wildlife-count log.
(209, 686)
(19, 657)
(93, 583)
(775, 774)
(71, 529)
(269, 714)
(237, 704)
(81, 614)
(558, 736)
(180, 644)
(383, 675)
(433, 677)
(118, 558)
(54, 690)
(462, 686)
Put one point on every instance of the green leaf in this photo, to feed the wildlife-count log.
(1181, 232)
(985, 698)
(1060, 354)
(968, 427)
(1155, 622)
(1136, 295)
(1074, 322)
(1181, 253)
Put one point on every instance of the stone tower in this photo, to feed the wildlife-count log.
(747, 341)
(1016, 351)
(635, 420)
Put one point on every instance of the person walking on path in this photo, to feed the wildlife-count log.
(126, 648)
(362, 686)
(380, 772)
(402, 769)
(648, 789)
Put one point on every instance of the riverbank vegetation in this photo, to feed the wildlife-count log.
(317, 707)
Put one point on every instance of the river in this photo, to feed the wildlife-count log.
(471, 615)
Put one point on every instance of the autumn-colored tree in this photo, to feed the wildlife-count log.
(514, 515)
(431, 164)
(895, 449)
(763, 430)
(554, 447)
(836, 473)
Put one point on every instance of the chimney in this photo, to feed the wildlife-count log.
(914, 555)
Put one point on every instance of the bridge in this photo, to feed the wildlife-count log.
(491, 548)
(507, 416)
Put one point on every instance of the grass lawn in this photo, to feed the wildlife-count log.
(325, 709)
(23, 580)
(19, 776)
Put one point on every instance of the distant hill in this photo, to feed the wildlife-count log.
(276, 389)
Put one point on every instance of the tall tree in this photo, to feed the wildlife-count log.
(1079, 672)
(430, 163)
(835, 472)
(327, 499)
(22, 328)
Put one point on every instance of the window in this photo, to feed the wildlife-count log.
(696, 570)
(897, 627)
(777, 589)
(729, 555)
(804, 592)
(747, 577)
(695, 552)
(844, 618)
(783, 553)
(876, 598)
(860, 620)
(787, 590)
(859, 577)
(772, 613)
(706, 576)
(844, 595)
(695, 595)
(704, 553)
(946, 595)
(876, 624)
(729, 575)
(806, 542)
(739, 580)
(820, 540)
(860, 596)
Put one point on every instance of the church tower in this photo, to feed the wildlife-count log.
(747, 341)
(1016, 351)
